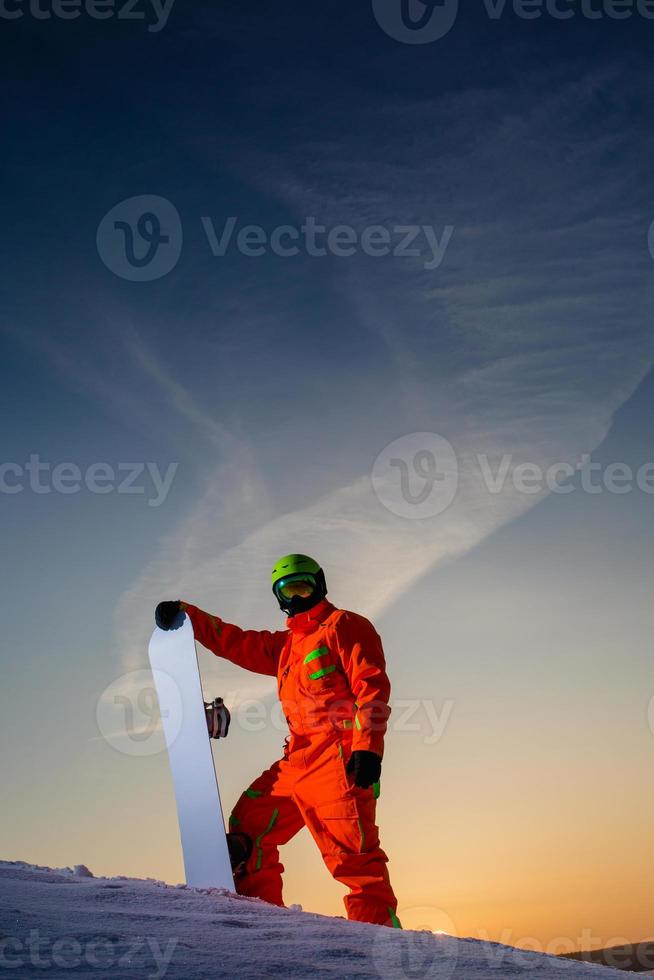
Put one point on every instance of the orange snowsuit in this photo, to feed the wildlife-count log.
(334, 691)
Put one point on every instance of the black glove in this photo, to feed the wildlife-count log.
(165, 613)
(365, 767)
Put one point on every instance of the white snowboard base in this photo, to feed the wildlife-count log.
(201, 824)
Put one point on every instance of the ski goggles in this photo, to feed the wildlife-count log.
(301, 584)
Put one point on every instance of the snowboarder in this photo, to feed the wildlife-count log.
(334, 691)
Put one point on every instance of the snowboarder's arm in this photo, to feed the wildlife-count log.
(362, 656)
(256, 650)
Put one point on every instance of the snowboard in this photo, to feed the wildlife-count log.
(201, 823)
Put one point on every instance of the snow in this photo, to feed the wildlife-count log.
(65, 922)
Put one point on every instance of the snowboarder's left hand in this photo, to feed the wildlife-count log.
(365, 767)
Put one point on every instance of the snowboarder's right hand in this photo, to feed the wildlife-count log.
(166, 612)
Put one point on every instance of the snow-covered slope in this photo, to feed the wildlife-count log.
(64, 923)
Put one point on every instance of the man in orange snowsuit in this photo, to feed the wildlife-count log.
(333, 687)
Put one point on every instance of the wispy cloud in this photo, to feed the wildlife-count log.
(175, 393)
(526, 341)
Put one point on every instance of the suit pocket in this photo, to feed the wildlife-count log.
(346, 826)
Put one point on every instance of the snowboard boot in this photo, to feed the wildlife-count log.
(239, 846)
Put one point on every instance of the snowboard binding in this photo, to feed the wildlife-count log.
(239, 846)
(218, 718)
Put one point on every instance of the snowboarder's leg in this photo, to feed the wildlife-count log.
(267, 813)
(348, 838)
(341, 818)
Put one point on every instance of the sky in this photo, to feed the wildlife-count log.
(174, 323)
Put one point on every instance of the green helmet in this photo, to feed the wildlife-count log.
(294, 568)
(292, 564)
